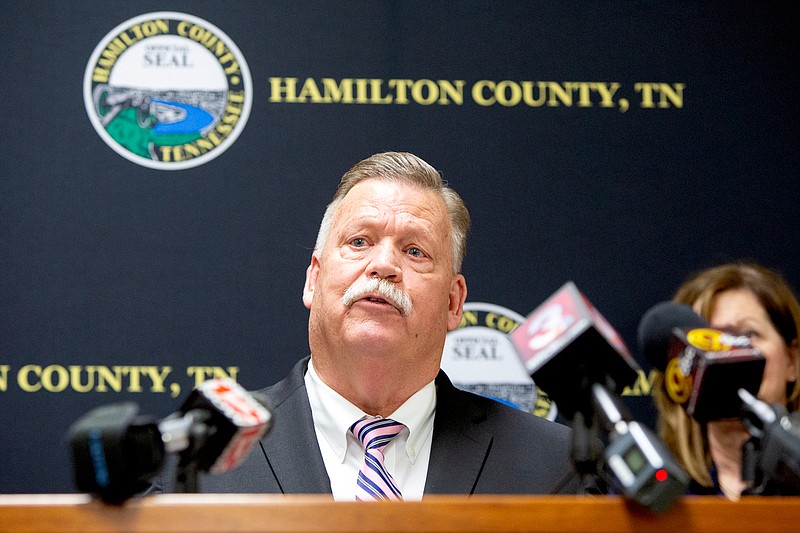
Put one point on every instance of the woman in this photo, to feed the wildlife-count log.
(756, 302)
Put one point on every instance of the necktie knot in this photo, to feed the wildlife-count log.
(376, 433)
(374, 481)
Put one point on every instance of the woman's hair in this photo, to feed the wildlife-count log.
(683, 435)
(407, 168)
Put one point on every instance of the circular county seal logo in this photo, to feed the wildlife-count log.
(480, 357)
(167, 90)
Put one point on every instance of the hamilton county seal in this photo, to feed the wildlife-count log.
(479, 357)
(167, 90)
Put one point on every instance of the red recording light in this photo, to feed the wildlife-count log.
(661, 475)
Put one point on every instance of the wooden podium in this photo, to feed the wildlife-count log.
(230, 513)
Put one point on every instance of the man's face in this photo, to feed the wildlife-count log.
(400, 234)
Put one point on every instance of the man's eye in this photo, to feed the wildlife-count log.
(416, 252)
(359, 242)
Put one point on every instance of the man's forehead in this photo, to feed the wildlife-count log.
(370, 195)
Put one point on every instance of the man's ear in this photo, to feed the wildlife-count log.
(312, 273)
(458, 295)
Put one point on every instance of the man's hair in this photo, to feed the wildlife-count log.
(402, 167)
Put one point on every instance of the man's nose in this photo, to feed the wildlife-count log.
(385, 262)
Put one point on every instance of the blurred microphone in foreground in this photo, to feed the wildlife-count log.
(580, 361)
(751, 345)
(116, 451)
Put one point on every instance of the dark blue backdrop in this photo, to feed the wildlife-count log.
(104, 262)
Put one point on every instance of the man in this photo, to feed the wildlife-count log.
(383, 289)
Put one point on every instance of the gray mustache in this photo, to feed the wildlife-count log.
(385, 289)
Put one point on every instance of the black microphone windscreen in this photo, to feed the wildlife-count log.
(566, 345)
(655, 330)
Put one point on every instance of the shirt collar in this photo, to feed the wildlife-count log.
(333, 414)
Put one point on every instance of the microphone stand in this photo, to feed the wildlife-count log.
(187, 435)
(587, 449)
(635, 462)
(186, 478)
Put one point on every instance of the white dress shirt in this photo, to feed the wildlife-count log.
(407, 455)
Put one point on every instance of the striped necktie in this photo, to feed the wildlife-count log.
(374, 482)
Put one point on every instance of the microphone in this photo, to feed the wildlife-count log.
(771, 458)
(703, 367)
(578, 359)
(566, 345)
(640, 466)
(116, 451)
(231, 421)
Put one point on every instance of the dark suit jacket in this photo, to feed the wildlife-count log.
(479, 446)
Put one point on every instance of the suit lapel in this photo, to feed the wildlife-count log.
(460, 443)
(291, 448)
